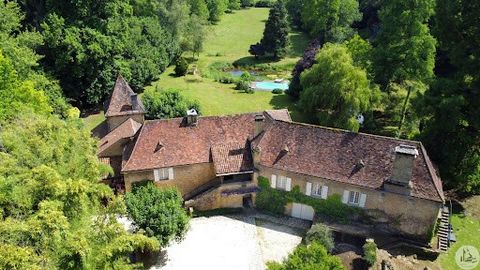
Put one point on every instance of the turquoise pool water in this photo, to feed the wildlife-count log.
(271, 85)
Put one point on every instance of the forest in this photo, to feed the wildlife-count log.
(408, 68)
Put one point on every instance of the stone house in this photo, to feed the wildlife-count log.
(215, 161)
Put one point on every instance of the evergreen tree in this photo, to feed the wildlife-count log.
(275, 35)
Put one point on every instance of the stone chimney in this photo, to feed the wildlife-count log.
(400, 180)
(192, 117)
(259, 123)
(134, 101)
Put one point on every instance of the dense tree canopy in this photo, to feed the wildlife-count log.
(451, 107)
(51, 215)
(87, 45)
(330, 20)
(335, 90)
(405, 50)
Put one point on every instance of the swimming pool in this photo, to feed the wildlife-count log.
(267, 85)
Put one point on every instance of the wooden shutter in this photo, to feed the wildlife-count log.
(170, 173)
(273, 183)
(345, 196)
(288, 186)
(308, 189)
(363, 199)
(324, 192)
(156, 175)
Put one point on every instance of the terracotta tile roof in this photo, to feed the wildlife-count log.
(333, 154)
(126, 130)
(120, 102)
(232, 158)
(169, 142)
(282, 115)
(312, 150)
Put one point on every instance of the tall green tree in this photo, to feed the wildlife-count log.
(167, 104)
(51, 206)
(275, 36)
(451, 106)
(336, 91)
(20, 46)
(216, 9)
(87, 45)
(158, 212)
(234, 4)
(18, 96)
(405, 49)
(199, 8)
(331, 20)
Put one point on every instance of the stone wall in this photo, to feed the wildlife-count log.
(402, 213)
(215, 199)
(186, 178)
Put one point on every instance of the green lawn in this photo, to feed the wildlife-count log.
(229, 41)
(467, 230)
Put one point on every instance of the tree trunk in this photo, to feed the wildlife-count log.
(404, 110)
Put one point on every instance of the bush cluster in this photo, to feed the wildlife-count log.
(277, 91)
(264, 3)
(321, 234)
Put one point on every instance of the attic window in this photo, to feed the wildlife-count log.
(158, 147)
(126, 108)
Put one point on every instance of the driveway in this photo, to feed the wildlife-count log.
(233, 242)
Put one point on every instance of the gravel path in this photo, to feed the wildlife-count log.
(234, 242)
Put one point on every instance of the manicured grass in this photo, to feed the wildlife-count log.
(93, 120)
(229, 41)
(467, 230)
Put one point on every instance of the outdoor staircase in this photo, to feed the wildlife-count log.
(444, 230)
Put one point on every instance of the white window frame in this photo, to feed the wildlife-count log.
(163, 174)
(353, 197)
(281, 182)
(317, 190)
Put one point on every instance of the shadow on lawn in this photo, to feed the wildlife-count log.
(284, 101)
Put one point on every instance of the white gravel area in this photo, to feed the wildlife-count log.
(222, 242)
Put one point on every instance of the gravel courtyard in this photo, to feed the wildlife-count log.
(233, 242)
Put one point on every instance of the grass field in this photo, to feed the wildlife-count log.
(229, 41)
(467, 229)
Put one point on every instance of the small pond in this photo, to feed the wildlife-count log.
(269, 85)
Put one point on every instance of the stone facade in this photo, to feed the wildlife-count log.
(402, 213)
(186, 178)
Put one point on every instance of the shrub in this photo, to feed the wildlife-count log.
(277, 91)
(246, 76)
(181, 67)
(243, 85)
(250, 91)
(332, 208)
(227, 79)
(158, 212)
(370, 252)
(247, 3)
(167, 104)
(313, 256)
(264, 3)
(321, 234)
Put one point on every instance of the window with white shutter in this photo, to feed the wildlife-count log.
(354, 198)
(163, 174)
(282, 182)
